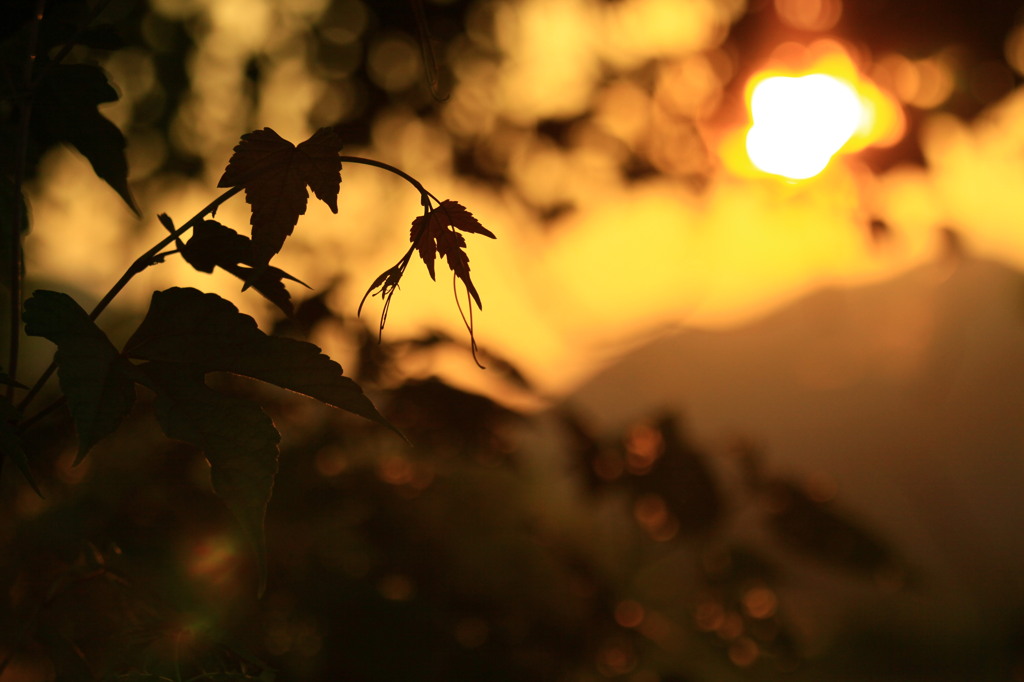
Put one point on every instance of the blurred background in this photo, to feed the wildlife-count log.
(753, 329)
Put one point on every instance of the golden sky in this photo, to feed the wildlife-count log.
(703, 241)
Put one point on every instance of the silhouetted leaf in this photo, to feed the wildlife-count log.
(275, 174)
(204, 331)
(237, 437)
(92, 374)
(10, 442)
(65, 111)
(435, 233)
(214, 245)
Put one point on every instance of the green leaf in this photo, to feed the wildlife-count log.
(237, 437)
(93, 375)
(10, 442)
(207, 332)
(65, 111)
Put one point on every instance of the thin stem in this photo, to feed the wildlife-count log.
(14, 245)
(397, 171)
(146, 259)
(140, 264)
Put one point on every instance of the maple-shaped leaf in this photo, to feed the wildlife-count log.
(435, 233)
(238, 439)
(275, 174)
(215, 245)
(206, 332)
(94, 377)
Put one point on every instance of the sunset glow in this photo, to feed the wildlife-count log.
(807, 105)
(801, 123)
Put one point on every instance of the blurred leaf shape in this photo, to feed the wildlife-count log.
(681, 477)
(65, 110)
(819, 531)
(440, 417)
(236, 436)
(275, 174)
(93, 375)
(205, 332)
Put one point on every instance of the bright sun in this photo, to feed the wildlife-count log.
(800, 123)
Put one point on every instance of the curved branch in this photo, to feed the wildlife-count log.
(140, 264)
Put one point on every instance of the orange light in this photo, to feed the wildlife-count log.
(800, 123)
(808, 105)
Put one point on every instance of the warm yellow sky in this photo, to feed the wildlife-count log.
(631, 257)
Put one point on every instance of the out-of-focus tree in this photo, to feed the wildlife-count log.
(461, 554)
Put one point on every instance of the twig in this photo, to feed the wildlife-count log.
(140, 264)
(15, 263)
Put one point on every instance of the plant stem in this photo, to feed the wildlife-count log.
(397, 171)
(146, 259)
(140, 264)
(67, 47)
(14, 245)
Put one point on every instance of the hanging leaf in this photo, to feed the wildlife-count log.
(204, 331)
(238, 439)
(65, 110)
(10, 442)
(214, 245)
(275, 174)
(93, 375)
(435, 233)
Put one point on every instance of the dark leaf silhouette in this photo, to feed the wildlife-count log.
(215, 245)
(65, 111)
(10, 442)
(236, 436)
(275, 174)
(435, 233)
(93, 375)
(205, 332)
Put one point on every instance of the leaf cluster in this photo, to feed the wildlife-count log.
(57, 103)
(52, 96)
